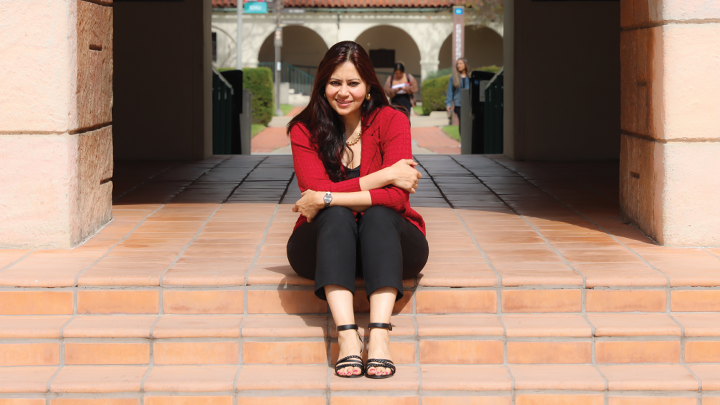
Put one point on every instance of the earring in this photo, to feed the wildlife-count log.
(367, 97)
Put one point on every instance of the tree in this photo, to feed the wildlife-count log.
(482, 12)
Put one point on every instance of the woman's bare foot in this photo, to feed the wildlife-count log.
(379, 348)
(350, 345)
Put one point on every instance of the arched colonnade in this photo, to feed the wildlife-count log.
(421, 40)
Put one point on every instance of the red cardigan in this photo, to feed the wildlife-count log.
(384, 142)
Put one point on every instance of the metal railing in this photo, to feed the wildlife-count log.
(222, 108)
(299, 80)
(494, 105)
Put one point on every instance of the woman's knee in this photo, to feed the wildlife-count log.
(379, 215)
(336, 215)
(379, 212)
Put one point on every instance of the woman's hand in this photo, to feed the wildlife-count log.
(310, 204)
(404, 175)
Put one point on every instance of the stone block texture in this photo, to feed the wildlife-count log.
(95, 187)
(670, 119)
(56, 123)
(94, 65)
(638, 181)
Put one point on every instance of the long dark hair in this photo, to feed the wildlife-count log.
(324, 124)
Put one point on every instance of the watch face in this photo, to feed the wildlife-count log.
(327, 199)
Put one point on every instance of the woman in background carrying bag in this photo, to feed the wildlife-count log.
(400, 87)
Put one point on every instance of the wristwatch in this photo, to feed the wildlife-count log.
(327, 199)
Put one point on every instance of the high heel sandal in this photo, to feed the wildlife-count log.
(379, 362)
(350, 361)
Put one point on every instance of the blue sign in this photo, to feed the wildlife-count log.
(459, 10)
(255, 8)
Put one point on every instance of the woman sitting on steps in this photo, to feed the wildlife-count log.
(353, 159)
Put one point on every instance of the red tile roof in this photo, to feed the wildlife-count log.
(352, 3)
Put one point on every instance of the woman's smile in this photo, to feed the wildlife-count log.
(344, 104)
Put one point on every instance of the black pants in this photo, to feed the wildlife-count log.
(402, 100)
(457, 111)
(382, 247)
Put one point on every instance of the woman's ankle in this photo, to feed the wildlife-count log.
(349, 338)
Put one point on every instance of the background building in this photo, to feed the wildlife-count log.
(416, 33)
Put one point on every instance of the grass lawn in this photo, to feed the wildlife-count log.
(286, 108)
(452, 131)
(256, 128)
(418, 110)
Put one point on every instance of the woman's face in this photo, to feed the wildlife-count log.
(460, 65)
(398, 74)
(346, 90)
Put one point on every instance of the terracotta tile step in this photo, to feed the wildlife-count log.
(302, 300)
(441, 384)
(339, 398)
(647, 338)
(693, 326)
(219, 257)
(457, 350)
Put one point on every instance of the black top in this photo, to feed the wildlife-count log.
(352, 173)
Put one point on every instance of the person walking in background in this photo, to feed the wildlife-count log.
(400, 87)
(458, 81)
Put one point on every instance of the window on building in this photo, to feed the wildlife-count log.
(382, 58)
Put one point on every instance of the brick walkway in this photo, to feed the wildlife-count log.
(436, 140)
(273, 138)
(270, 139)
(535, 292)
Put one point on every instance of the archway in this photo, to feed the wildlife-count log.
(396, 39)
(302, 48)
(483, 47)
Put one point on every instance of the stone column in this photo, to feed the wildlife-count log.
(670, 120)
(428, 66)
(56, 121)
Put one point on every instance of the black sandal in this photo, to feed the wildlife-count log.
(379, 362)
(350, 361)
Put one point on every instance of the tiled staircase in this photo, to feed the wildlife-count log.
(535, 293)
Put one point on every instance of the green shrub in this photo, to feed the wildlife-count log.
(491, 69)
(438, 73)
(260, 83)
(434, 92)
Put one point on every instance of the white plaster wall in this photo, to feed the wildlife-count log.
(39, 193)
(301, 47)
(38, 66)
(483, 47)
(687, 193)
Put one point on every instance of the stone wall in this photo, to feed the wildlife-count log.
(56, 121)
(670, 119)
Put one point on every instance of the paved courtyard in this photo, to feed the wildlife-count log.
(535, 290)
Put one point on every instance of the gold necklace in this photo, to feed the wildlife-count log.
(351, 143)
